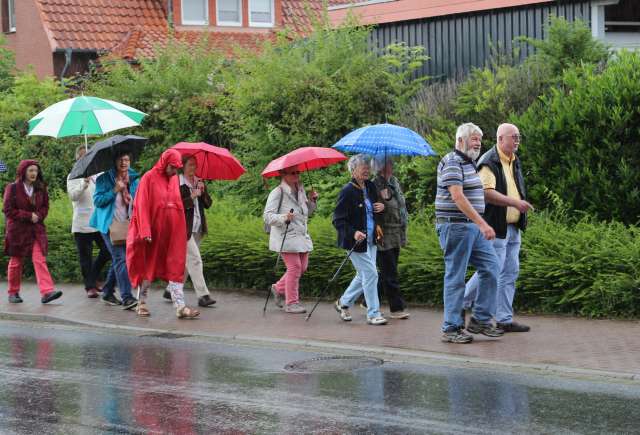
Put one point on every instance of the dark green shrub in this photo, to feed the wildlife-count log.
(582, 139)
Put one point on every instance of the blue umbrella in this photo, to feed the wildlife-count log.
(385, 139)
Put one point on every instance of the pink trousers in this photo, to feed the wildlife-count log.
(43, 277)
(296, 263)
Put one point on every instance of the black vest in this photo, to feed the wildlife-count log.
(496, 215)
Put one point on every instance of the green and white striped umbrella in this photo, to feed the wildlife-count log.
(83, 116)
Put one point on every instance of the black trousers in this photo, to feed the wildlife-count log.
(388, 283)
(91, 269)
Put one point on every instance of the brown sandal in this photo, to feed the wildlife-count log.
(142, 310)
(187, 313)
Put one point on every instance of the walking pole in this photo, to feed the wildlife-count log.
(335, 275)
(275, 269)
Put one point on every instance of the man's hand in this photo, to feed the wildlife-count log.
(359, 235)
(378, 207)
(487, 232)
(313, 196)
(34, 218)
(523, 206)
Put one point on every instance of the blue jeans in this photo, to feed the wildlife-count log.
(463, 243)
(508, 253)
(118, 270)
(365, 281)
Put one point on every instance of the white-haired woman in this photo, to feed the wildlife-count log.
(355, 220)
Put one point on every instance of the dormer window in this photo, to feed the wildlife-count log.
(229, 12)
(195, 12)
(261, 13)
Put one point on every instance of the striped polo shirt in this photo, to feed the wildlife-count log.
(456, 169)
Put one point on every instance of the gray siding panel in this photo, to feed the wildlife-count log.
(458, 43)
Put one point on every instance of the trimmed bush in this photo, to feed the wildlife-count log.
(588, 268)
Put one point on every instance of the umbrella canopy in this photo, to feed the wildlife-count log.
(83, 116)
(3, 166)
(304, 159)
(385, 139)
(214, 163)
(101, 156)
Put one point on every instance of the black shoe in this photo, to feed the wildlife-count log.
(487, 329)
(15, 299)
(167, 295)
(205, 301)
(513, 327)
(129, 303)
(111, 299)
(51, 296)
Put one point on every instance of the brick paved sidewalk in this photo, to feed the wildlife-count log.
(605, 345)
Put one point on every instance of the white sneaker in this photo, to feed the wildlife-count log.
(399, 315)
(278, 298)
(344, 311)
(295, 308)
(378, 320)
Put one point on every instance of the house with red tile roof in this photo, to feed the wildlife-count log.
(459, 35)
(62, 37)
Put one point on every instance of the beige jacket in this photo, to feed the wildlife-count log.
(298, 239)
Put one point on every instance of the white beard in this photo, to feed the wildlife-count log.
(472, 154)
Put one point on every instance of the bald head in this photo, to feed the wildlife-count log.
(508, 137)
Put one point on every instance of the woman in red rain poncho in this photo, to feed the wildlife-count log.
(155, 249)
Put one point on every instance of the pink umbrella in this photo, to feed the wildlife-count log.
(214, 163)
(304, 159)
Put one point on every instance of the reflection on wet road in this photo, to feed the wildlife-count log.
(59, 380)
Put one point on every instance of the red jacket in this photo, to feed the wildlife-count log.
(20, 231)
(158, 213)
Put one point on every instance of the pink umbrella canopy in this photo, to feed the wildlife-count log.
(214, 163)
(304, 159)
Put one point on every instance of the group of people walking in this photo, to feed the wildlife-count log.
(480, 209)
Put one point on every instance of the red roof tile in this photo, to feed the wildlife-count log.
(133, 28)
(98, 24)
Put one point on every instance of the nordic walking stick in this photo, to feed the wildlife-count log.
(335, 275)
(275, 269)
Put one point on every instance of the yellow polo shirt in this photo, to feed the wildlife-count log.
(489, 182)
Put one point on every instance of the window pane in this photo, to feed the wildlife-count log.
(229, 11)
(12, 15)
(194, 11)
(261, 11)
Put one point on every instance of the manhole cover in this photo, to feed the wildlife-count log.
(169, 335)
(333, 364)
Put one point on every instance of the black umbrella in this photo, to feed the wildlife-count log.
(100, 157)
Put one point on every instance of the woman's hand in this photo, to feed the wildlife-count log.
(359, 235)
(34, 218)
(120, 185)
(378, 207)
(147, 239)
(290, 217)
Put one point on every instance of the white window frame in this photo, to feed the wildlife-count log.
(273, 16)
(11, 10)
(192, 22)
(229, 23)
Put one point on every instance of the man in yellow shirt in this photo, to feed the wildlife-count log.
(506, 212)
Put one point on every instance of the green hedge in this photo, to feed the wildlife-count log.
(588, 268)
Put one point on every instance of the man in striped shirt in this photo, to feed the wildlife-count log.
(465, 238)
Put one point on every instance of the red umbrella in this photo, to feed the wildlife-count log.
(214, 163)
(304, 159)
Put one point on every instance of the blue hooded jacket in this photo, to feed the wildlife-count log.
(104, 198)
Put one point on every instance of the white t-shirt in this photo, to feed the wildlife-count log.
(197, 219)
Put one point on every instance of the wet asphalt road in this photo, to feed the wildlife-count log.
(57, 379)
